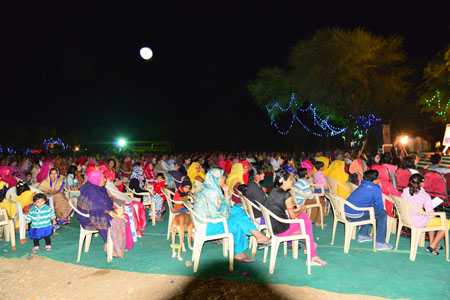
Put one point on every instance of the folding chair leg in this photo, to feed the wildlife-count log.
(109, 247)
(169, 225)
(388, 229)
(399, 230)
(225, 247)
(285, 249)
(265, 254)
(414, 242)
(273, 257)
(87, 243)
(422, 239)
(295, 249)
(80, 243)
(231, 250)
(198, 251)
(334, 230)
(348, 235)
(446, 245)
(153, 214)
(321, 216)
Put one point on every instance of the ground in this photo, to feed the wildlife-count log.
(39, 278)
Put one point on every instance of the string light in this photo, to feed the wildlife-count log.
(51, 141)
(440, 112)
(323, 124)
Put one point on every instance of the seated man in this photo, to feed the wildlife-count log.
(368, 194)
(436, 160)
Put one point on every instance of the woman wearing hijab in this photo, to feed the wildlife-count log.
(337, 171)
(53, 186)
(221, 162)
(196, 175)
(137, 183)
(46, 166)
(7, 176)
(94, 200)
(236, 178)
(213, 201)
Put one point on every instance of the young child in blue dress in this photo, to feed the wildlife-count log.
(41, 217)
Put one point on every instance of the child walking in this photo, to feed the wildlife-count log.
(41, 217)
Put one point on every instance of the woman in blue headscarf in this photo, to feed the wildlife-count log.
(213, 201)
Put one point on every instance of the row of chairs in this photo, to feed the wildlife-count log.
(404, 219)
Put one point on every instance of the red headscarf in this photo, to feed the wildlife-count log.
(44, 170)
(244, 164)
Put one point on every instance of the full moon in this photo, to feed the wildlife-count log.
(146, 53)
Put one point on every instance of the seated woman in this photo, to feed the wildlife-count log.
(255, 192)
(111, 173)
(337, 171)
(408, 163)
(71, 179)
(54, 186)
(235, 179)
(213, 201)
(137, 183)
(35, 170)
(150, 174)
(290, 165)
(94, 200)
(196, 176)
(278, 202)
(6, 174)
(43, 173)
(416, 195)
(176, 175)
(24, 197)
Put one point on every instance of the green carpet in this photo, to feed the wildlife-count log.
(387, 274)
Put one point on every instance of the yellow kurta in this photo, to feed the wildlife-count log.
(337, 171)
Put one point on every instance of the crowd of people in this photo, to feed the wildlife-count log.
(100, 184)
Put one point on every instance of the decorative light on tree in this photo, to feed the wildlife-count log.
(436, 105)
(364, 122)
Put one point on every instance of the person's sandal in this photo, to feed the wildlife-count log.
(36, 249)
(247, 259)
(439, 247)
(264, 244)
(48, 248)
(432, 251)
(318, 262)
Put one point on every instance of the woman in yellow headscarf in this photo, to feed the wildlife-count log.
(325, 161)
(337, 171)
(236, 177)
(196, 175)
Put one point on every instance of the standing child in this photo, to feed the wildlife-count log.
(41, 217)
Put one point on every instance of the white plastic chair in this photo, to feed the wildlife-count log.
(338, 204)
(8, 228)
(250, 205)
(391, 222)
(172, 213)
(267, 214)
(149, 203)
(20, 215)
(417, 233)
(309, 207)
(87, 234)
(200, 236)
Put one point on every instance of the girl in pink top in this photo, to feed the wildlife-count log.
(416, 195)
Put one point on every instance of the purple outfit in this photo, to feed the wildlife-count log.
(420, 200)
(94, 200)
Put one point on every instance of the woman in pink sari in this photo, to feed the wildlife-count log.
(6, 175)
(46, 166)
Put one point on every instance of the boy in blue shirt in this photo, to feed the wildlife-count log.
(368, 194)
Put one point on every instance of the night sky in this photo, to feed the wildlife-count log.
(76, 68)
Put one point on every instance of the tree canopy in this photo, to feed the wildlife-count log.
(342, 72)
(436, 97)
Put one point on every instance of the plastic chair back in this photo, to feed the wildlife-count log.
(338, 207)
(436, 185)
(404, 210)
(402, 178)
(267, 214)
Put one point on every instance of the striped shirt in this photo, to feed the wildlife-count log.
(303, 186)
(40, 217)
